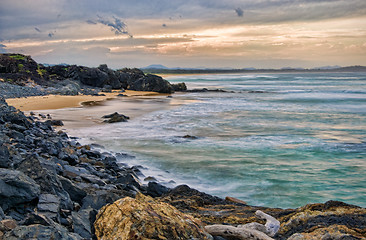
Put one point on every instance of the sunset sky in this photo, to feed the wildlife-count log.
(187, 33)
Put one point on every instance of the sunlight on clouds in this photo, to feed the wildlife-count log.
(310, 41)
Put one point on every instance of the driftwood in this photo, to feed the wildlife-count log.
(272, 225)
(250, 231)
(241, 233)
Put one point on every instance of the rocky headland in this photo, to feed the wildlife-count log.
(52, 187)
(25, 77)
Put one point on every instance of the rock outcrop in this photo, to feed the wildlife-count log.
(71, 79)
(50, 185)
(145, 218)
(330, 220)
(115, 117)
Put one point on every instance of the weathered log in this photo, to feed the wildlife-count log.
(241, 233)
(254, 230)
(272, 225)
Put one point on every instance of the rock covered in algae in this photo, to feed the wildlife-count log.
(146, 218)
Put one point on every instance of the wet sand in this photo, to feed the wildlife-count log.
(58, 101)
(87, 111)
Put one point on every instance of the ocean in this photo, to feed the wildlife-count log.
(273, 139)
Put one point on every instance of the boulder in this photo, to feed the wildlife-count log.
(145, 218)
(76, 194)
(332, 219)
(100, 198)
(151, 83)
(92, 76)
(40, 232)
(155, 189)
(328, 233)
(48, 182)
(4, 157)
(54, 122)
(113, 77)
(16, 188)
(179, 87)
(115, 117)
(49, 205)
(82, 222)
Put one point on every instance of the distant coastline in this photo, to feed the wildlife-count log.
(223, 71)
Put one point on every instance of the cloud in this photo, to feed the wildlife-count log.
(91, 22)
(2, 48)
(117, 26)
(239, 12)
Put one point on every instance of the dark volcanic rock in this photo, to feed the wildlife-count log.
(76, 194)
(179, 87)
(48, 182)
(49, 205)
(82, 222)
(54, 122)
(92, 76)
(4, 157)
(40, 232)
(115, 117)
(15, 188)
(151, 83)
(155, 189)
(100, 198)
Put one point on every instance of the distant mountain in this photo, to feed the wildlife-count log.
(292, 68)
(328, 67)
(156, 66)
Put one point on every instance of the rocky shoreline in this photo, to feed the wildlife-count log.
(51, 187)
(25, 77)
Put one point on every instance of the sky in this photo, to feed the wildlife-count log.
(187, 33)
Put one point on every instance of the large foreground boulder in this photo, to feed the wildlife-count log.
(145, 218)
(16, 188)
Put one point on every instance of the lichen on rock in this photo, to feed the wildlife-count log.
(146, 218)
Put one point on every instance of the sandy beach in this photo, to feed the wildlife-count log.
(61, 101)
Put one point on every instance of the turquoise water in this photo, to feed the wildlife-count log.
(280, 140)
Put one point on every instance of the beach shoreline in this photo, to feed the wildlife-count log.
(51, 102)
(99, 168)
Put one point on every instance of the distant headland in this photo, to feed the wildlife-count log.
(160, 69)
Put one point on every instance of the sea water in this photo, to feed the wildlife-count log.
(272, 139)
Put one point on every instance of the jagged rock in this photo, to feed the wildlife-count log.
(49, 205)
(33, 218)
(40, 232)
(2, 214)
(151, 83)
(334, 232)
(76, 194)
(98, 199)
(15, 188)
(54, 122)
(92, 76)
(48, 182)
(128, 181)
(7, 225)
(155, 189)
(145, 218)
(4, 157)
(326, 217)
(179, 87)
(67, 87)
(190, 137)
(82, 222)
(115, 117)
